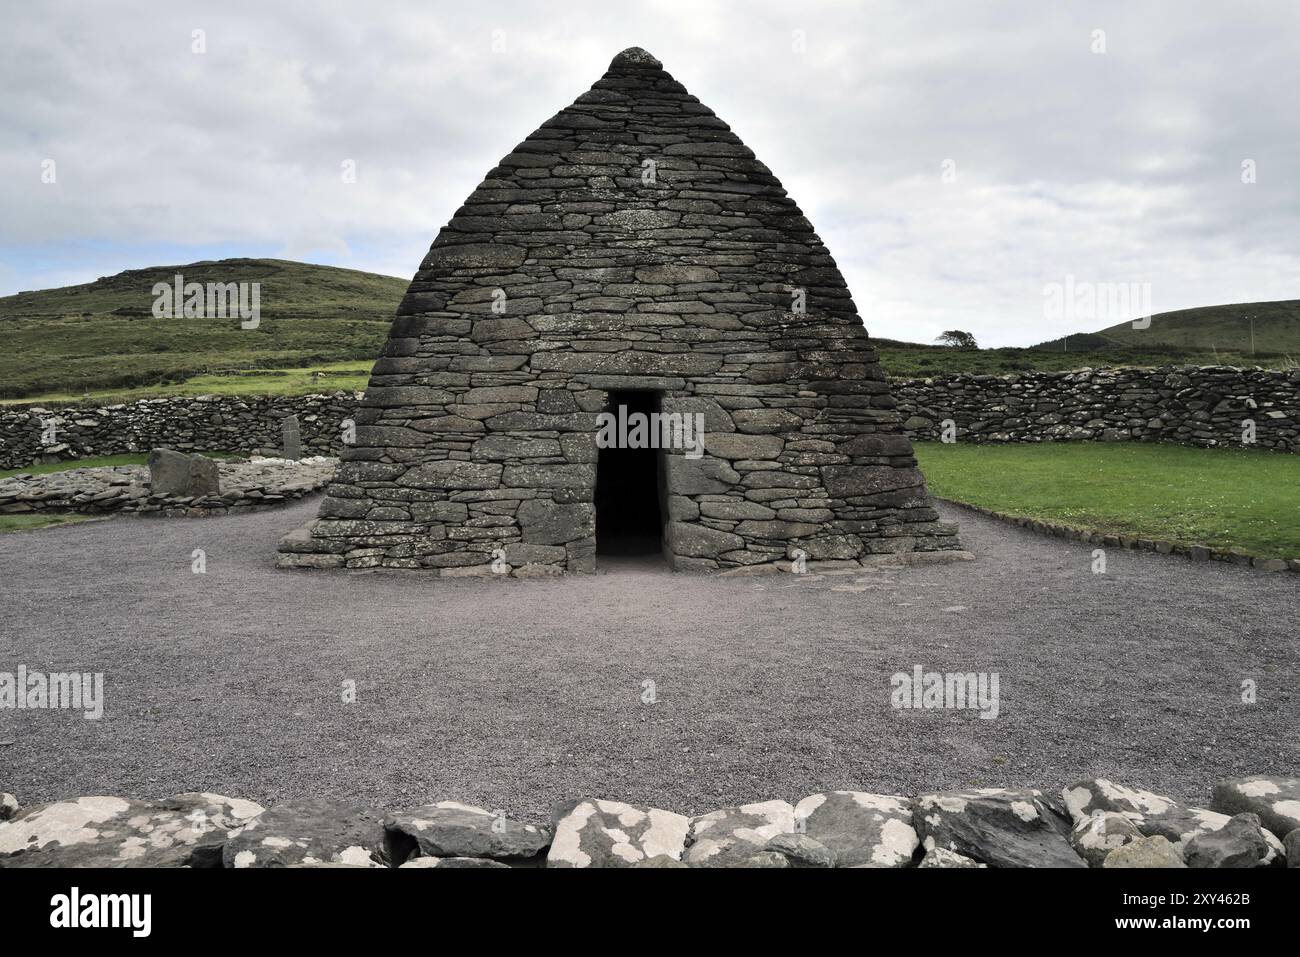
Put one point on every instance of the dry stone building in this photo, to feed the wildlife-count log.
(630, 253)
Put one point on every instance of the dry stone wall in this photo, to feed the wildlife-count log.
(1189, 405)
(1204, 405)
(206, 423)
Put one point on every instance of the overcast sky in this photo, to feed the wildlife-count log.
(1123, 166)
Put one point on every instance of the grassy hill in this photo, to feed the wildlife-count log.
(1208, 329)
(915, 360)
(322, 327)
(102, 336)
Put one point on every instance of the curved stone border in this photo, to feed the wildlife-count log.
(1129, 542)
(1253, 821)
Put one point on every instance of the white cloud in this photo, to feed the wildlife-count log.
(1116, 167)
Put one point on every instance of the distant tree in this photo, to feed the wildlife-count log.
(958, 339)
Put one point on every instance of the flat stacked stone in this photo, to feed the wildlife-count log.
(633, 242)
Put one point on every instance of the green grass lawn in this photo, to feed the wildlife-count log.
(1223, 498)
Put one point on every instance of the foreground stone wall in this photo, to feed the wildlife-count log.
(208, 423)
(1255, 822)
(1193, 405)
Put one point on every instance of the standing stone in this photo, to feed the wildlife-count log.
(292, 437)
(185, 476)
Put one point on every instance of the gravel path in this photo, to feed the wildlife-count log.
(514, 694)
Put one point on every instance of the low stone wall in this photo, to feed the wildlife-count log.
(245, 485)
(208, 423)
(1190, 405)
(1254, 822)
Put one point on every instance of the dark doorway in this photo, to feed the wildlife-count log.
(628, 520)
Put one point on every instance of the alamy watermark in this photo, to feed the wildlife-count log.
(654, 430)
(960, 690)
(1113, 301)
(56, 690)
(213, 300)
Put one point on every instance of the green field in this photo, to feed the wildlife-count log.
(1223, 498)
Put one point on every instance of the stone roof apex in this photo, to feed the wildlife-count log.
(635, 57)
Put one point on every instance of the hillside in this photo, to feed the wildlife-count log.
(322, 328)
(1225, 328)
(289, 290)
(103, 336)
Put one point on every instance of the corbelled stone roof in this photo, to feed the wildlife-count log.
(630, 242)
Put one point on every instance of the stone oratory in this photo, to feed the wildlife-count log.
(630, 256)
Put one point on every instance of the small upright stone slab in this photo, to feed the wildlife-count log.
(732, 836)
(291, 437)
(452, 829)
(613, 834)
(182, 475)
(872, 830)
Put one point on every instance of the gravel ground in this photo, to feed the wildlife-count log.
(515, 694)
